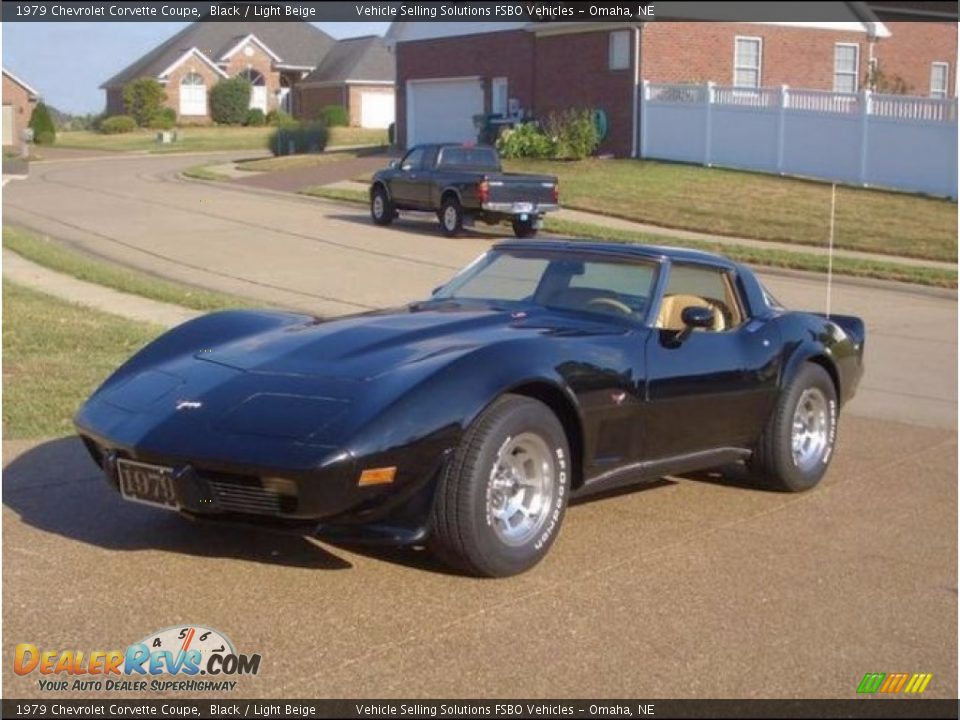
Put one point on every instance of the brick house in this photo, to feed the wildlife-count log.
(449, 72)
(359, 74)
(19, 99)
(274, 56)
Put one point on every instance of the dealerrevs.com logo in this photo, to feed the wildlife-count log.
(197, 658)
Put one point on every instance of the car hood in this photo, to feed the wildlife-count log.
(363, 347)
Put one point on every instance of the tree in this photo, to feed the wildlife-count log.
(142, 99)
(230, 100)
(44, 132)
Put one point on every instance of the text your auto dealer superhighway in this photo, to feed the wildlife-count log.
(131, 11)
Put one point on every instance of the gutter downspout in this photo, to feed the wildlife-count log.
(635, 114)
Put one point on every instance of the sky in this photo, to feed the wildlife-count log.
(66, 62)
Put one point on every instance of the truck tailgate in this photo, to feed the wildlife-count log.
(534, 189)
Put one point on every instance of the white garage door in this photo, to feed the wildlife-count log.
(376, 109)
(7, 124)
(443, 110)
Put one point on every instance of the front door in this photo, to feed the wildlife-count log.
(405, 184)
(716, 387)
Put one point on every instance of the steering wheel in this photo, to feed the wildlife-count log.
(612, 302)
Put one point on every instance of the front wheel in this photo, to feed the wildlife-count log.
(381, 209)
(796, 447)
(524, 228)
(502, 498)
(451, 216)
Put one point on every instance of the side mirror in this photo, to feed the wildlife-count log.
(394, 164)
(693, 317)
(437, 289)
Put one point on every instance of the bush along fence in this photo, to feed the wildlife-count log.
(895, 141)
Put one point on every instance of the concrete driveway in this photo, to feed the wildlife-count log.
(694, 587)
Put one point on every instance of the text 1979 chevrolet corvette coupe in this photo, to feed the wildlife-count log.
(543, 370)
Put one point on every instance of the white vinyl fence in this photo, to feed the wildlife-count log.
(895, 141)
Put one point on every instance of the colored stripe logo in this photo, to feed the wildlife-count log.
(893, 683)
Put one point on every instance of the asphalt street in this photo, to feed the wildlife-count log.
(693, 587)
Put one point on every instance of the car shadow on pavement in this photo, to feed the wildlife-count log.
(55, 487)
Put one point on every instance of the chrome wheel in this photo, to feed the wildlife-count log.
(811, 429)
(521, 489)
(450, 218)
(378, 206)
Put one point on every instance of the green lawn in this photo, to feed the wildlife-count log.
(764, 257)
(201, 138)
(190, 139)
(54, 355)
(289, 162)
(753, 205)
(56, 256)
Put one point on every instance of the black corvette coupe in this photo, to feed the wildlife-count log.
(542, 371)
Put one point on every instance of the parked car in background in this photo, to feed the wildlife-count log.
(462, 183)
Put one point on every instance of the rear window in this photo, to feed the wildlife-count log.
(473, 157)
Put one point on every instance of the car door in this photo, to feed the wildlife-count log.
(711, 387)
(404, 187)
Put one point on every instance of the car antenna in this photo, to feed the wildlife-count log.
(833, 211)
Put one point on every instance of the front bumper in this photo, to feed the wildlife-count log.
(327, 501)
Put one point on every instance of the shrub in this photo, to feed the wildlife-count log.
(230, 101)
(300, 138)
(255, 118)
(165, 119)
(143, 99)
(334, 116)
(574, 132)
(118, 124)
(279, 118)
(44, 133)
(525, 141)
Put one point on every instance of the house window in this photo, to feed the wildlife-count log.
(498, 104)
(747, 53)
(939, 76)
(620, 50)
(846, 67)
(258, 89)
(193, 95)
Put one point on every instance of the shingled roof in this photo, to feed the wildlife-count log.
(359, 58)
(297, 44)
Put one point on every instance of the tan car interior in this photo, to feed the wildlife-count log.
(726, 310)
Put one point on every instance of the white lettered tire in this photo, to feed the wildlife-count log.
(501, 501)
(798, 443)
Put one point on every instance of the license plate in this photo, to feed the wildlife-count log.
(150, 484)
(522, 207)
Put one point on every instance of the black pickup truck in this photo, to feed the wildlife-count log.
(462, 182)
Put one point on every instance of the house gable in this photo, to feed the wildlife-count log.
(192, 53)
(250, 39)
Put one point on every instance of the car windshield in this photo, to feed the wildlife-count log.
(556, 280)
(482, 158)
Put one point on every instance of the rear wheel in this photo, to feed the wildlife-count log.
(796, 447)
(524, 228)
(502, 499)
(451, 216)
(381, 209)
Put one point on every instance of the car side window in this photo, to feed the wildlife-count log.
(412, 160)
(700, 286)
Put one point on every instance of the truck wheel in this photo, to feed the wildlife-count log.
(524, 228)
(381, 209)
(501, 500)
(451, 216)
(794, 452)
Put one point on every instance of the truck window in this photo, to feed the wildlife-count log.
(479, 158)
